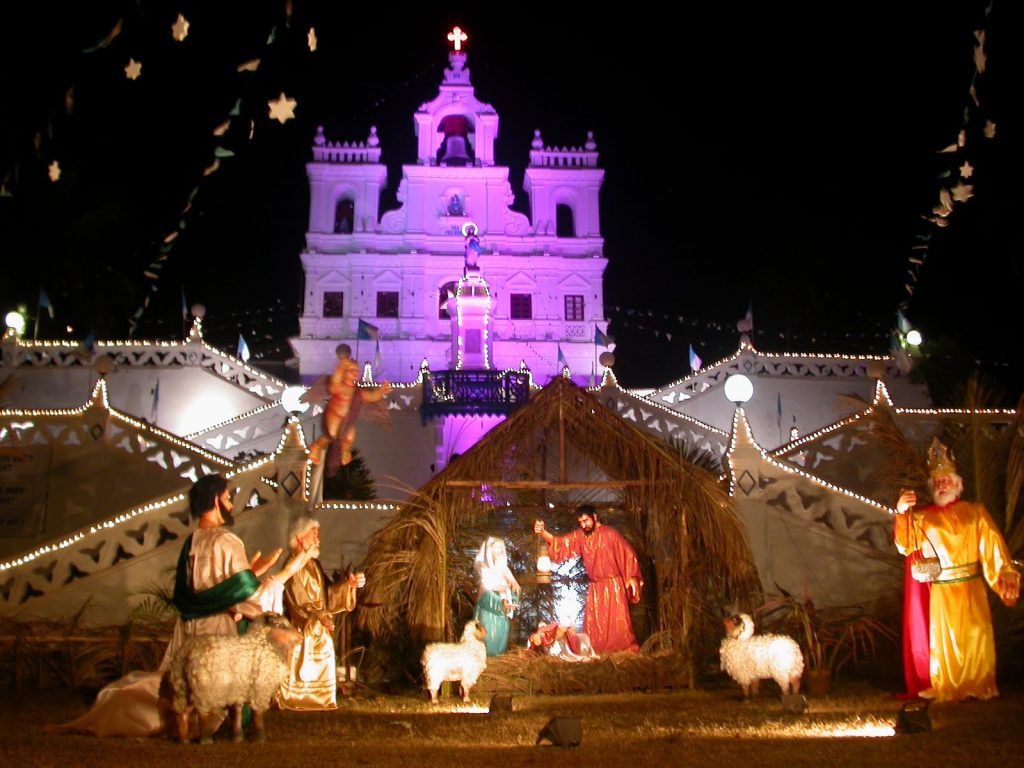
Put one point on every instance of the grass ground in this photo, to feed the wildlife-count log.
(851, 727)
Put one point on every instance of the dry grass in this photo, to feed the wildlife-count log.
(707, 727)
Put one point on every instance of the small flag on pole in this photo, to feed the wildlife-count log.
(695, 361)
(44, 302)
(90, 343)
(376, 357)
(562, 362)
(366, 331)
(746, 323)
(156, 403)
(901, 321)
(599, 338)
(243, 349)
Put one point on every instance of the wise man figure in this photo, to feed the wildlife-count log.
(971, 553)
(311, 601)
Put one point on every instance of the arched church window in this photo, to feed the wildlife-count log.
(565, 226)
(344, 216)
(446, 294)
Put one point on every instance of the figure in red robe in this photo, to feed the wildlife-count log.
(915, 630)
(614, 574)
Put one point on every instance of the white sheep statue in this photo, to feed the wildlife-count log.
(748, 659)
(464, 661)
(212, 672)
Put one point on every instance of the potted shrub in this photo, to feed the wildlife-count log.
(831, 638)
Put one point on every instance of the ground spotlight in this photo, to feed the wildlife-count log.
(562, 732)
(794, 703)
(500, 702)
(913, 718)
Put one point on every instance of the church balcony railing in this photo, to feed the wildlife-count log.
(346, 153)
(553, 157)
(461, 392)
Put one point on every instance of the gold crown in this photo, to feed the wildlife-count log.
(940, 459)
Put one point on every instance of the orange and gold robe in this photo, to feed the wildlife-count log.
(972, 552)
(312, 682)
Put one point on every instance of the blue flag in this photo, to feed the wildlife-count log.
(599, 338)
(243, 349)
(90, 343)
(44, 302)
(695, 361)
(366, 331)
(562, 362)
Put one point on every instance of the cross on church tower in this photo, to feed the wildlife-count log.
(458, 37)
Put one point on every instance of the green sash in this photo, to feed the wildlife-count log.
(196, 605)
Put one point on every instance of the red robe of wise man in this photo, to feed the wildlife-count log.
(915, 629)
(610, 563)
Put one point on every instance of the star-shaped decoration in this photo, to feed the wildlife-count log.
(979, 51)
(966, 170)
(53, 170)
(962, 192)
(179, 29)
(311, 39)
(282, 108)
(133, 69)
(990, 129)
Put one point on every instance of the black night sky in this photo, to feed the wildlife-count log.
(781, 156)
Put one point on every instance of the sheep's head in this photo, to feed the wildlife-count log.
(474, 629)
(739, 627)
(281, 634)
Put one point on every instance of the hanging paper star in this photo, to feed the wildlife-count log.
(53, 170)
(966, 170)
(179, 30)
(990, 129)
(962, 192)
(133, 69)
(311, 39)
(282, 108)
(249, 66)
(979, 50)
(106, 40)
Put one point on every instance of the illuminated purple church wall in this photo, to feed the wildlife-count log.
(399, 269)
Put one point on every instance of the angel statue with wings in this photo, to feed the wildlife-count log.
(344, 404)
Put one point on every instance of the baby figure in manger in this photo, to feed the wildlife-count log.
(561, 641)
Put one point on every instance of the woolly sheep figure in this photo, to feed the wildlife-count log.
(748, 659)
(212, 672)
(464, 661)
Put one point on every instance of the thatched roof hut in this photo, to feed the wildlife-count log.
(561, 449)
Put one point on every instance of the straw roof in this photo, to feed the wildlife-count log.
(562, 447)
